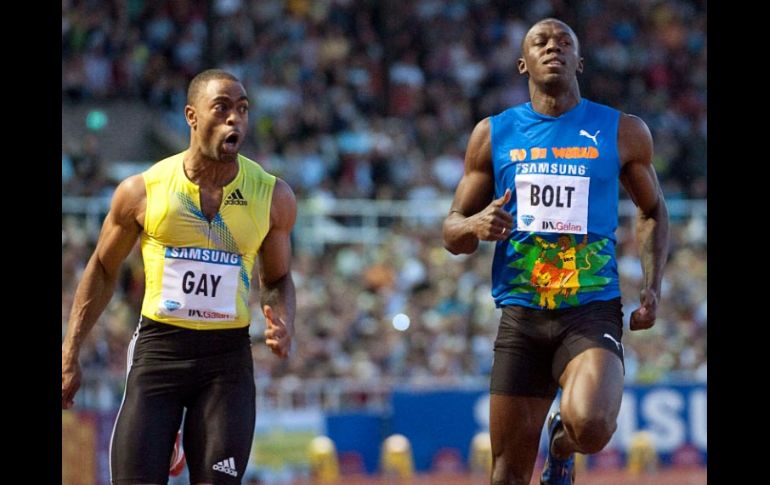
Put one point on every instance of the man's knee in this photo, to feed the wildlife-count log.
(590, 431)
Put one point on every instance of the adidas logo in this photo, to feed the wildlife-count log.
(235, 198)
(226, 466)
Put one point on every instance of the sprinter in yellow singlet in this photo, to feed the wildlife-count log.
(203, 216)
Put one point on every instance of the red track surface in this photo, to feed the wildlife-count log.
(680, 476)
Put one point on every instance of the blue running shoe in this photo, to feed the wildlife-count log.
(556, 471)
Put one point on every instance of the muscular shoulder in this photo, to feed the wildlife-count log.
(482, 131)
(634, 140)
(478, 156)
(483, 127)
(283, 209)
(129, 200)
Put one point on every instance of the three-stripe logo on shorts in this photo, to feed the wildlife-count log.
(226, 466)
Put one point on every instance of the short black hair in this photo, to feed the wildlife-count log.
(550, 19)
(200, 80)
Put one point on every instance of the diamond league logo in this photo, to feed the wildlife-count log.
(527, 219)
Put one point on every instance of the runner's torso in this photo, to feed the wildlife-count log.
(198, 271)
(563, 172)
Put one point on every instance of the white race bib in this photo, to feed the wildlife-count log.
(552, 203)
(199, 284)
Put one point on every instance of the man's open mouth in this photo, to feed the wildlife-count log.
(231, 141)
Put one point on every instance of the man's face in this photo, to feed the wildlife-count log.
(550, 53)
(219, 118)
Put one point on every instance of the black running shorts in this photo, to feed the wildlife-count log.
(533, 347)
(207, 372)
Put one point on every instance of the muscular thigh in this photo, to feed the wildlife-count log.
(598, 324)
(523, 356)
(219, 424)
(146, 425)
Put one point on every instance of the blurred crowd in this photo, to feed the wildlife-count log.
(348, 295)
(355, 98)
(376, 99)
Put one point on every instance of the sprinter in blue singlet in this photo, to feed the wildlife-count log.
(541, 181)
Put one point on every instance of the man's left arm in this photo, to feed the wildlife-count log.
(640, 180)
(277, 296)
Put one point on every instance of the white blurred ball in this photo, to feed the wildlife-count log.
(401, 322)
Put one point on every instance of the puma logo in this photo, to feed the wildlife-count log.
(617, 344)
(588, 135)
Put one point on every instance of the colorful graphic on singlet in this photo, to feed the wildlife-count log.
(555, 273)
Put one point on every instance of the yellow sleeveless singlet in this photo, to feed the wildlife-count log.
(198, 273)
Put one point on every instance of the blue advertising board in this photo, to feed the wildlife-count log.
(441, 424)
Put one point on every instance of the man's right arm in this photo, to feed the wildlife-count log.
(119, 232)
(474, 216)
